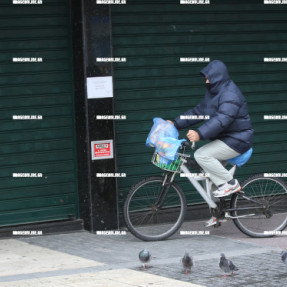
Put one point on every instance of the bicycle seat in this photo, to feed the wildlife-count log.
(241, 159)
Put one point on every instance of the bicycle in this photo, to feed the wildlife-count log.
(155, 206)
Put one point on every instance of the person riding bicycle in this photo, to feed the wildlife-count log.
(229, 128)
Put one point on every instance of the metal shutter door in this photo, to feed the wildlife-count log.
(44, 146)
(153, 35)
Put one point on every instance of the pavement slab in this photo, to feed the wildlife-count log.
(18, 257)
(110, 278)
(86, 259)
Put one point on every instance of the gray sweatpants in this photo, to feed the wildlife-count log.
(211, 158)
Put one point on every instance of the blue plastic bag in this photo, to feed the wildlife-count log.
(167, 147)
(160, 129)
(241, 159)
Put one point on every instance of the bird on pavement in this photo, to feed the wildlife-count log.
(187, 262)
(227, 265)
(145, 257)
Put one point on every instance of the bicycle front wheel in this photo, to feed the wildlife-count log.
(262, 210)
(143, 217)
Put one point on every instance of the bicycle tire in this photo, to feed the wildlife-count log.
(143, 232)
(265, 198)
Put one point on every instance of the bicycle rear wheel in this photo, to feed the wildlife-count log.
(263, 206)
(144, 219)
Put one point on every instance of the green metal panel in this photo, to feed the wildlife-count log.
(44, 146)
(154, 35)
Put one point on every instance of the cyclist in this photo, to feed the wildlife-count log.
(228, 127)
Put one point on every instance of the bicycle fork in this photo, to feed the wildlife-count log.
(168, 179)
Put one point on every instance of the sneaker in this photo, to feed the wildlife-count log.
(227, 189)
(212, 221)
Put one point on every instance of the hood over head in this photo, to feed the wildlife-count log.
(217, 74)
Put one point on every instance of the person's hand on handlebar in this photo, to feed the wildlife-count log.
(193, 136)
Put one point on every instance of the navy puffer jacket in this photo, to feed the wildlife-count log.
(227, 108)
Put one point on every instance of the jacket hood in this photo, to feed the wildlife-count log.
(217, 74)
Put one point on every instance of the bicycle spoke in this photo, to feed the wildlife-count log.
(147, 220)
(271, 214)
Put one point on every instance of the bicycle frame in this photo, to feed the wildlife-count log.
(205, 193)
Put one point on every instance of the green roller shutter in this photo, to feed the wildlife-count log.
(45, 88)
(154, 35)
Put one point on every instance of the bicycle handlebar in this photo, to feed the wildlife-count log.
(188, 143)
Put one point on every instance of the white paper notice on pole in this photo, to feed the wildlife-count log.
(100, 87)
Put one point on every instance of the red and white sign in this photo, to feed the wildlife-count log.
(102, 149)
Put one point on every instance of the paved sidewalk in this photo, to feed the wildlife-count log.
(85, 259)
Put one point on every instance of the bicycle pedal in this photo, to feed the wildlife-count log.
(218, 224)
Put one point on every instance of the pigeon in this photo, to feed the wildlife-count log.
(226, 265)
(284, 257)
(144, 257)
(187, 262)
